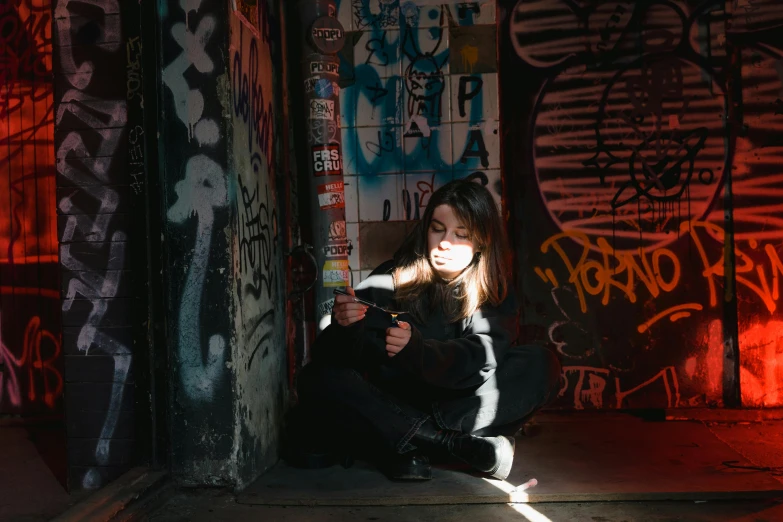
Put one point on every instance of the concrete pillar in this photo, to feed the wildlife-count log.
(322, 37)
(220, 142)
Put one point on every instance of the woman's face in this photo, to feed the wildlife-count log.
(450, 246)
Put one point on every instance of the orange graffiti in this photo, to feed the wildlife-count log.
(761, 364)
(17, 290)
(660, 271)
(616, 269)
(744, 265)
(28, 223)
(677, 313)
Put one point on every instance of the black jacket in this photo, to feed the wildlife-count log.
(456, 356)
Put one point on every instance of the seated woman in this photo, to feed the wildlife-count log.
(445, 378)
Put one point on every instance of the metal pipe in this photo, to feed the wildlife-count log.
(323, 37)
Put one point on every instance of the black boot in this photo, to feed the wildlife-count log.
(491, 455)
(408, 466)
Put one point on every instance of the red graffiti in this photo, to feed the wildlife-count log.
(25, 41)
(28, 231)
(39, 363)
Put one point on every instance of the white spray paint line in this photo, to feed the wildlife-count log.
(90, 283)
(201, 192)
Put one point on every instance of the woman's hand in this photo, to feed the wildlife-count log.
(397, 338)
(346, 311)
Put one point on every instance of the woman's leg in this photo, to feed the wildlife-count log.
(527, 380)
(353, 410)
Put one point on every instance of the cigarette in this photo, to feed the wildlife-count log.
(529, 484)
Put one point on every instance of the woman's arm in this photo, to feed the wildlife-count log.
(467, 361)
(356, 345)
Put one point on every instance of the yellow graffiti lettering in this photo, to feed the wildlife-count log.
(660, 270)
(620, 270)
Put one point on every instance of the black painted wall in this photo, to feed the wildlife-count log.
(100, 202)
(194, 96)
(642, 173)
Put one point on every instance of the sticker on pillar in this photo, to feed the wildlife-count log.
(337, 231)
(309, 84)
(338, 249)
(327, 35)
(331, 195)
(321, 109)
(324, 88)
(336, 273)
(327, 160)
(324, 68)
(325, 308)
(322, 132)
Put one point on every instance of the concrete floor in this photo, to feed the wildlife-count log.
(32, 471)
(759, 443)
(219, 506)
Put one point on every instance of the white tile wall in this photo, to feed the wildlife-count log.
(466, 139)
(379, 51)
(380, 167)
(375, 191)
(480, 97)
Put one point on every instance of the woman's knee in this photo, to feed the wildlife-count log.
(554, 375)
(546, 366)
(316, 380)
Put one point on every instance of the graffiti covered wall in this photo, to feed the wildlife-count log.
(195, 103)
(221, 142)
(31, 361)
(418, 108)
(640, 146)
(94, 202)
(260, 373)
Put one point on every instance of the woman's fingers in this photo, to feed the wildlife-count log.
(347, 313)
(397, 334)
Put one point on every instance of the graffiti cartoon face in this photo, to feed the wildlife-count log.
(410, 13)
(425, 84)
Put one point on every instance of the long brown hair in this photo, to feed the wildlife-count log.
(418, 287)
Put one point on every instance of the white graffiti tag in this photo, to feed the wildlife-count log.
(201, 192)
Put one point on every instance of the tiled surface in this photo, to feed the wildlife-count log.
(476, 146)
(408, 124)
(428, 153)
(380, 52)
(474, 97)
(379, 197)
(380, 240)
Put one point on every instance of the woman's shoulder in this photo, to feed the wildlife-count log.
(387, 267)
(508, 306)
(379, 285)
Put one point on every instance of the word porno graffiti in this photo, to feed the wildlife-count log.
(659, 271)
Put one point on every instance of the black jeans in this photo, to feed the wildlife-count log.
(357, 414)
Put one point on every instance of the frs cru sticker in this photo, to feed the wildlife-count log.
(327, 160)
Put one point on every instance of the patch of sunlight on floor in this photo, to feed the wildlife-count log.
(518, 499)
